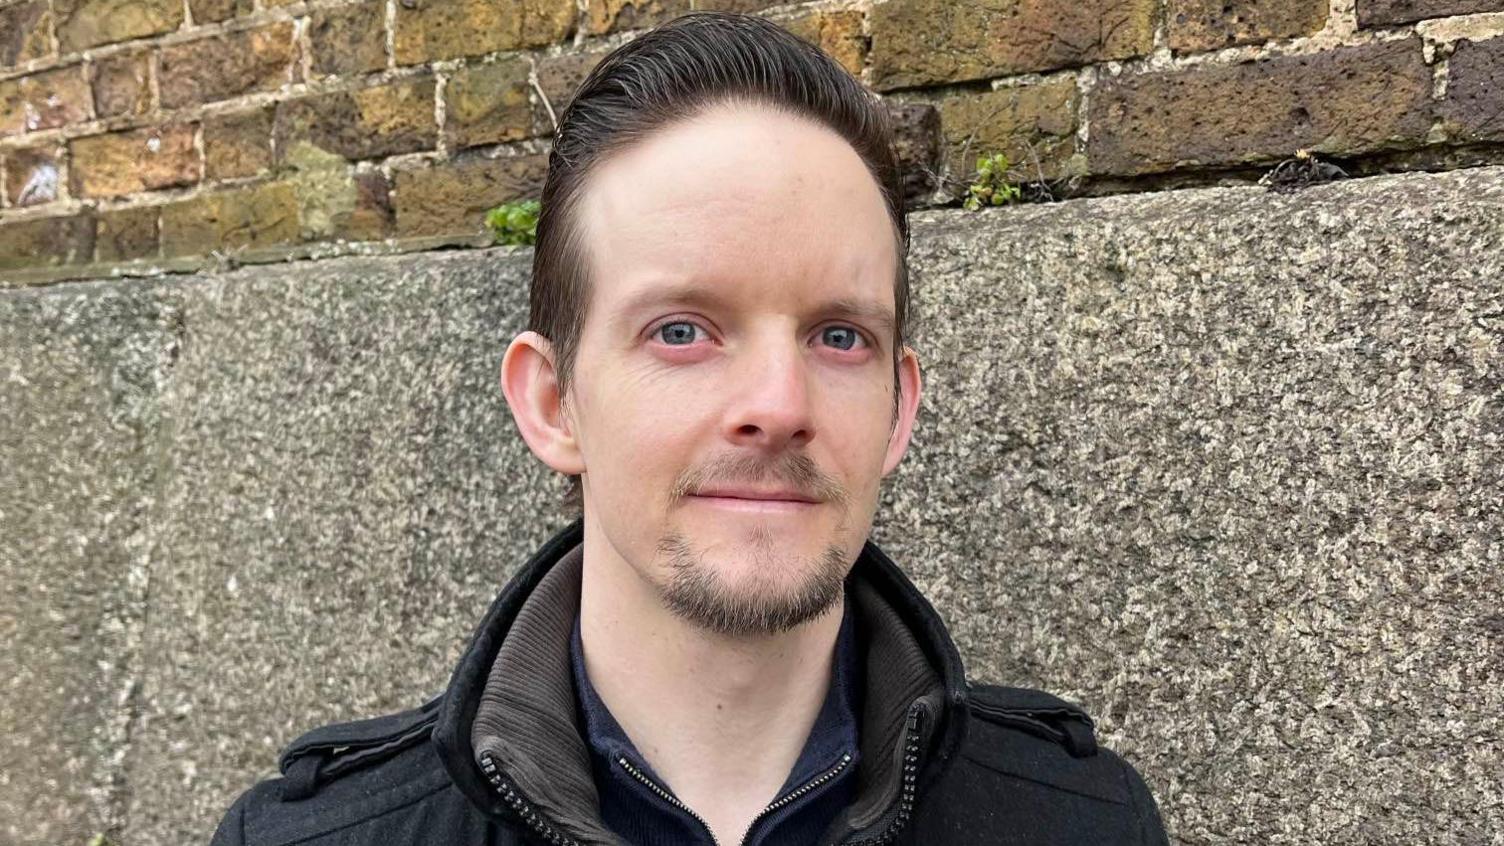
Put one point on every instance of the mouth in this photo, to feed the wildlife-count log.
(755, 504)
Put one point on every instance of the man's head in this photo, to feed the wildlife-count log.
(719, 302)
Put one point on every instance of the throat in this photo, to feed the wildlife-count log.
(728, 733)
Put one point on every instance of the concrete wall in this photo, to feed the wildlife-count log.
(1221, 464)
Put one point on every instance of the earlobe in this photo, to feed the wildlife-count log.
(530, 384)
(908, 410)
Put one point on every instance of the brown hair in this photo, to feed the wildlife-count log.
(672, 73)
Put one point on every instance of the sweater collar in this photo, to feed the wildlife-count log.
(508, 734)
(832, 738)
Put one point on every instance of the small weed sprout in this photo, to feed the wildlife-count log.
(991, 187)
(515, 223)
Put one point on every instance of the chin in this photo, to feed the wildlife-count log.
(760, 590)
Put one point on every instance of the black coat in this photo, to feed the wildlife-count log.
(498, 759)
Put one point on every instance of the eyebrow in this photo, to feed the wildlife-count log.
(862, 310)
(700, 295)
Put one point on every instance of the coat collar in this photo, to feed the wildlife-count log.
(506, 729)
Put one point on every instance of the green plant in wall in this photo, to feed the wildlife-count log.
(515, 223)
(991, 187)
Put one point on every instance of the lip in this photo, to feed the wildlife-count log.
(784, 495)
(757, 505)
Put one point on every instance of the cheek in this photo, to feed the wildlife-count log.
(856, 433)
(647, 428)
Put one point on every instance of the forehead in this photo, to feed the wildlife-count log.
(743, 198)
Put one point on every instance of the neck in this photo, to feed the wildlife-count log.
(721, 719)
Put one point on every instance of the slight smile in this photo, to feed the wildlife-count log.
(759, 506)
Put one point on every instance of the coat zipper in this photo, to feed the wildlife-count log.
(519, 803)
(775, 805)
(525, 809)
(910, 777)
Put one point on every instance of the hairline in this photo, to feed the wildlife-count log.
(578, 249)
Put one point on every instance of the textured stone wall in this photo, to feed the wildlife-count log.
(153, 132)
(1223, 465)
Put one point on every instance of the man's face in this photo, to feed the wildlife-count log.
(738, 342)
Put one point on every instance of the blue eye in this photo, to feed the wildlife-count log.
(845, 336)
(685, 334)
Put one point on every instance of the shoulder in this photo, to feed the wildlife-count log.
(1031, 766)
(352, 782)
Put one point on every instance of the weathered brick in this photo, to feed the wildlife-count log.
(31, 175)
(446, 29)
(122, 84)
(559, 77)
(1377, 13)
(1035, 125)
(373, 217)
(210, 11)
(1212, 24)
(224, 66)
(452, 199)
(125, 234)
(238, 144)
(352, 207)
(89, 23)
(349, 39)
(604, 16)
(743, 6)
(336, 200)
(46, 242)
(257, 216)
(916, 140)
(25, 32)
(380, 121)
(134, 160)
(1474, 106)
(43, 100)
(1348, 100)
(921, 42)
(487, 104)
(838, 33)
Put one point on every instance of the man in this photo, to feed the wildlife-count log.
(714, 653)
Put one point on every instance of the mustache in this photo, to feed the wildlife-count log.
(795, 471)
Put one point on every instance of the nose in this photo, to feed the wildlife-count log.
(771, 408)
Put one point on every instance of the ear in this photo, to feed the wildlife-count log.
(908, 409)
(530, 383)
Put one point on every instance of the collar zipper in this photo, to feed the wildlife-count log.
(667, 797)
(775, 805)
(530, 814)
(910, 775)
(800, 791)
(535, 818)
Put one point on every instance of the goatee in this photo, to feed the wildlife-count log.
(699, 593)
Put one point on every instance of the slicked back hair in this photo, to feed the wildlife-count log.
(670, 74)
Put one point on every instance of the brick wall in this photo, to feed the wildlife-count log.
(155, 135)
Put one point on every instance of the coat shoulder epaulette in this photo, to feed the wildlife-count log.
(327, 752)
(1038, 713)
(1032, 762)
(338, 776)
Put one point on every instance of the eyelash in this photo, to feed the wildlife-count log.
(653, 332)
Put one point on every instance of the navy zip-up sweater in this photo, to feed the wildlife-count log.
(827, 761)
